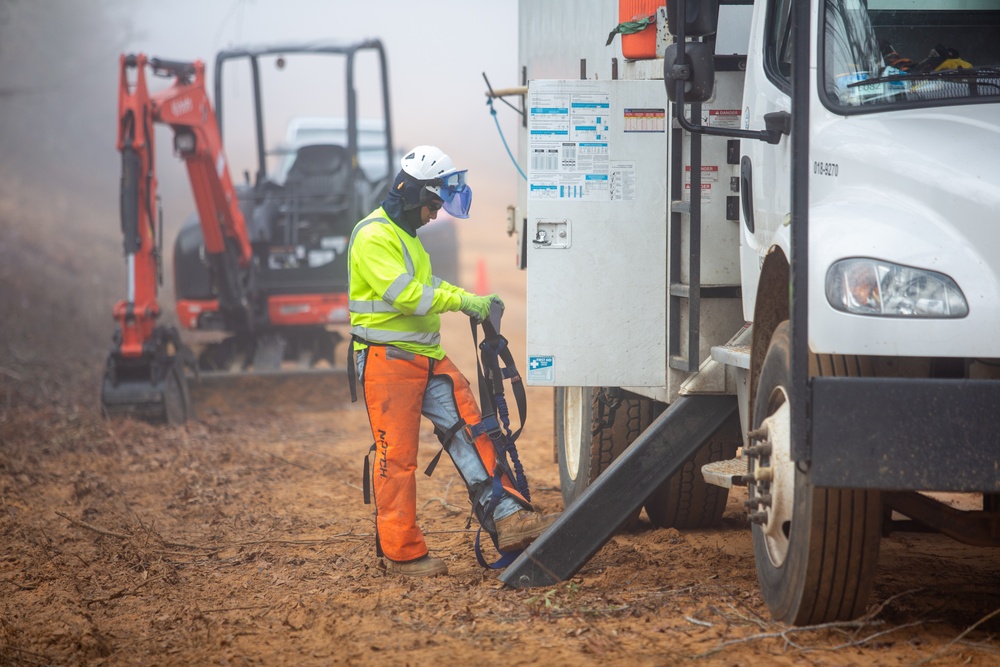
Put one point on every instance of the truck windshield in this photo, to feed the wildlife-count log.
(890, 53)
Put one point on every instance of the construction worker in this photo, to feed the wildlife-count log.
(395, 305)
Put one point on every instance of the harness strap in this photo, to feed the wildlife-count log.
(366, 477)
(444, 437)
(352, 371)
(496, 419)
(506, 557)
(434, 462)
(491, 376)
(494, 348)
(369, 494)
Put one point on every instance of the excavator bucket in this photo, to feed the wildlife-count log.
(143, 391)
(593, 518)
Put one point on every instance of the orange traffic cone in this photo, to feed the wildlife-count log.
(482, 282)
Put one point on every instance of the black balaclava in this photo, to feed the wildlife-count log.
(405, 198)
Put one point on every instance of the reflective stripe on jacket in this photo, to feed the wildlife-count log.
(394, 298)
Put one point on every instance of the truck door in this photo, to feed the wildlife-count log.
(765, 168)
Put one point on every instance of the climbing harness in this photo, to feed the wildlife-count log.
(496, 418)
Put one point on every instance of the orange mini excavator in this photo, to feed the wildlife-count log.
(261, 270)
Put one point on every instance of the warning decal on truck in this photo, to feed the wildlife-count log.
(645, 120)
(727, 118)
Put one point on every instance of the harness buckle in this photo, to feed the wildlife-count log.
(489, 425)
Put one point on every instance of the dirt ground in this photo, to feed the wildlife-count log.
(242, 538)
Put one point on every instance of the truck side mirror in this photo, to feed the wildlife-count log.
(701, 17)
(698, 72)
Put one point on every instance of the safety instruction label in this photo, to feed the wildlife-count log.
(622, 182)
(568, 145)
(541, 369)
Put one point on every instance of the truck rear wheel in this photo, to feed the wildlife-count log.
(685, 499)
(816, 549)
(586, 444)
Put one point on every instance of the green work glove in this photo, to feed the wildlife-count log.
(495, 297)
(476, 307)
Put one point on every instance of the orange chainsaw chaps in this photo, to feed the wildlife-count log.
(394, 391)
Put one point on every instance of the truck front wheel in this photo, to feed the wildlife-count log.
(816, 549)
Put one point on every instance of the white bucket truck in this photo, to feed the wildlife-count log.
(819, 322)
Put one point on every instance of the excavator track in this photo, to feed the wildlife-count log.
(268, 372)
(305, 390)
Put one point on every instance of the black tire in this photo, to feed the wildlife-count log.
(573, 422)
(586, 446)
(221, 356)
(176, 397)
(685, 500)
(817, 551)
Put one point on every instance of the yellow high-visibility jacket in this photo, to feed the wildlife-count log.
(394, 298)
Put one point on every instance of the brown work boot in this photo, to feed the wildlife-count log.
(425, 566)
(520, 529)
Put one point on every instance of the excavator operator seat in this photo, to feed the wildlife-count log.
(319, 181)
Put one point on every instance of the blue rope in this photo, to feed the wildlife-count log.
(493, 111)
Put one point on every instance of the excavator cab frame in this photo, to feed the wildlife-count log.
(253, 55)
(298, 228)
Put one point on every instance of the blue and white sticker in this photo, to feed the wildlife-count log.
(541, 369)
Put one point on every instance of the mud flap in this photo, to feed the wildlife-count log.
(587, 524)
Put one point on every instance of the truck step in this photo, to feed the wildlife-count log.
(736, 352)
(589, 523)
(726, 474)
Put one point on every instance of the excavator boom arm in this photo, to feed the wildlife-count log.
(186, 108)
(144, 374)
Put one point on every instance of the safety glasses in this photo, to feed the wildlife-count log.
(456, 194)
(455, 181)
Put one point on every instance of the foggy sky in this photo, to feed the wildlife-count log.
(437, 51)
(59, 69)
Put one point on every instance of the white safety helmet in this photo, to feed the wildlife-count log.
(435, 170)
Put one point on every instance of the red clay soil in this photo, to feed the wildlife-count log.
(242, 538)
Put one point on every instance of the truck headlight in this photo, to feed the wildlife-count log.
(865, 286)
